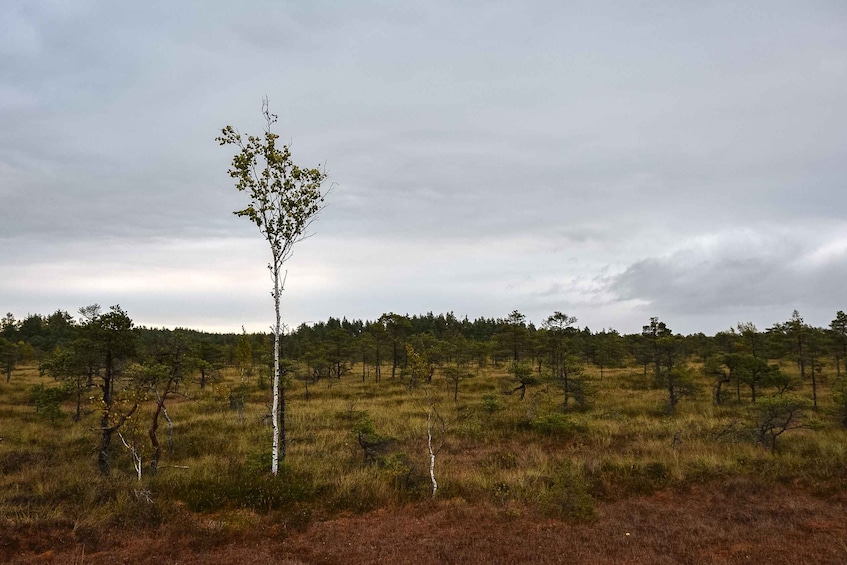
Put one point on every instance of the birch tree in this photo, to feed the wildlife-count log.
(435, 429)
(284, 200)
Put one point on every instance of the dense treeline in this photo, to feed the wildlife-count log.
(740, 360)
(332, 348)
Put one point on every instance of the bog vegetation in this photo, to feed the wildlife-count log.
(104, 423)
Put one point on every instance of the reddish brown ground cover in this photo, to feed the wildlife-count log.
(721, 525)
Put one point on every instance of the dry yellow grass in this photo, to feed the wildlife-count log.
(497, 449)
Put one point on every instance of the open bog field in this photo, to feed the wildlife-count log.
(620, 480)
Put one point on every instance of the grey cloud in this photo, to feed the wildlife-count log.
(601, 133)
(765, 274)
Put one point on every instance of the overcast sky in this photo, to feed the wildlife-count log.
(610, 160)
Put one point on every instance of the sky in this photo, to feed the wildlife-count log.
(611, 160)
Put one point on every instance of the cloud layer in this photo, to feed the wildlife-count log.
(612, 162)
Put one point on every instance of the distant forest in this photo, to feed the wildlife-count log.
(332, 348)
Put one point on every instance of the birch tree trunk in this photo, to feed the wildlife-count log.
(432, 451)
(278, 399)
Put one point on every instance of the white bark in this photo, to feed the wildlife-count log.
(275, 408)
(432, 451)
(136, 457)
(170, 426)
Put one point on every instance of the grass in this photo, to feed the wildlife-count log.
(497, 450)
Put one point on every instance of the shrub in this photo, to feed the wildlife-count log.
(554, 424)
(48, 401)
(240, 485)
(373, 445)
(566, 495)
(491, 403)
(775, 415)
(405, 477)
